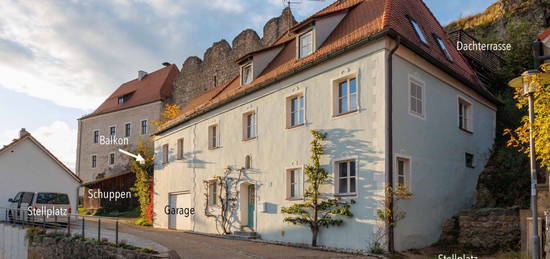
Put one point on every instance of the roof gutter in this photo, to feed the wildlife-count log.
(389, 145)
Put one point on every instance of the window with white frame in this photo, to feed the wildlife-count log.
(246, 74)
(212, 193)
(305, 44)
(144, 127)
(295, 110)
(403, 171)
(465, 115)
(96, 136)
(111, 158)
(345, 96)
(112, 131)
(416, 97)
(213, 137)
(249, 125)
(94, 161)
(294, 183)
(127, 129)
(165, 151)
(346, 177)
(179, 154)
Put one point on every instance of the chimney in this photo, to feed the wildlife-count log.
(141, 74)
(23, 132)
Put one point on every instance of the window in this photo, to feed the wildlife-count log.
(112, 158)
(346, 177)
(416, 101)
(96, 136)
(121, 100)
(52, 198)
(112, 131)
(443, 48)
(94, 161)
(212, 193)
(465, 115)
(295, 114)
(403, 172)
(305, 46)
(213, 137)
(247, 162)
(165, 154)
(469, 158)
(418, 30)
(180, 149)
(127, 129)
(144, 127)
(294, 183)
(346, 94)
(246, 74)
(249, 125)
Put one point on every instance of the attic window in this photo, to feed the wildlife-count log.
(305, 44)
(418, 30)
(441, 45)
(246, 74)
(124, 98)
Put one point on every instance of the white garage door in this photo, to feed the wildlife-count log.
(180, 221)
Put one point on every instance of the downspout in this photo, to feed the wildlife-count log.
(389, 144)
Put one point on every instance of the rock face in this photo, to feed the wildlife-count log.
(218, 64)
(488, 229)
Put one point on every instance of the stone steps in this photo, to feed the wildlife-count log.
(245, 235)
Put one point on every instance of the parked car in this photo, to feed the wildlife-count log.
(39, 207)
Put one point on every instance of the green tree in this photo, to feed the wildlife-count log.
(317, 211)
(143, 184)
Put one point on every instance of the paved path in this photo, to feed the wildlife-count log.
(189, 245)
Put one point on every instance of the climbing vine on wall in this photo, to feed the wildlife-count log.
(227, 194)
(143, 184)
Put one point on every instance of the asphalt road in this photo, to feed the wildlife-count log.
(189, 245)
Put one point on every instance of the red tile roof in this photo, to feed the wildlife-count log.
(40, 146)
(364, 20)
(153, 87)
(545, 34)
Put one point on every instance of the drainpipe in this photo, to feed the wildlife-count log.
(389, 143)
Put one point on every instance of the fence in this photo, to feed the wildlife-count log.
(71, 224)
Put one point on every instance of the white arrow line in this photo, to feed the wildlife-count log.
(138, 158)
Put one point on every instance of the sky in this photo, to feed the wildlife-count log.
(60, 59)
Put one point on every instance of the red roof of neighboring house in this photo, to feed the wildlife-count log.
(40, 146)
(545, 34)
(153, 87)
(365, 18)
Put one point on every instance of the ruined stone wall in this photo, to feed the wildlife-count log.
(218, 64)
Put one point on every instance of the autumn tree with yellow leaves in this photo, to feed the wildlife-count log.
(170, 112)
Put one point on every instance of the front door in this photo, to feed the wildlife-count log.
(251, 205)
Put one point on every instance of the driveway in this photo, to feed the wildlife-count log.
(189, 245)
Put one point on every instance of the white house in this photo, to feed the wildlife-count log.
(26, 165)
(400, 106)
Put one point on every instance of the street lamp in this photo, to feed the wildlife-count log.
(527, 82)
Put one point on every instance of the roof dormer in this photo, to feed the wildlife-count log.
(254, 63)
(312, 34)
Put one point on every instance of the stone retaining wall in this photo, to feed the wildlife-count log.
(487, 229)
(48, 247)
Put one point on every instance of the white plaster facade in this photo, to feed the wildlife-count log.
(440, 182)
(26, 166)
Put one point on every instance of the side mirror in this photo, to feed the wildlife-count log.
(10, 200)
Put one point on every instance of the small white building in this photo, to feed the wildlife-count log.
(26, 165)
(399, 103)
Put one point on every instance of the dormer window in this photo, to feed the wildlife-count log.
(246, 74)
(124, 98)
(121, 100)
(305, 44)
(418, 30)
(443, 48)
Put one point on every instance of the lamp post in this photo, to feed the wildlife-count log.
(526, 83)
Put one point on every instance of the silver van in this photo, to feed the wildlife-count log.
(39, 207)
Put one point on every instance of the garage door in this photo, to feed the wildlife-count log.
(180, 221)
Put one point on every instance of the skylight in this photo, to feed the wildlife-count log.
(443, 48)
(418, 31)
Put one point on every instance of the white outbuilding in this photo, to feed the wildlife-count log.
(26, 165)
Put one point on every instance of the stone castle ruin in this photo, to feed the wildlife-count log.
(218, 64)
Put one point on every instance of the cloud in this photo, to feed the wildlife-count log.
(59, 138)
